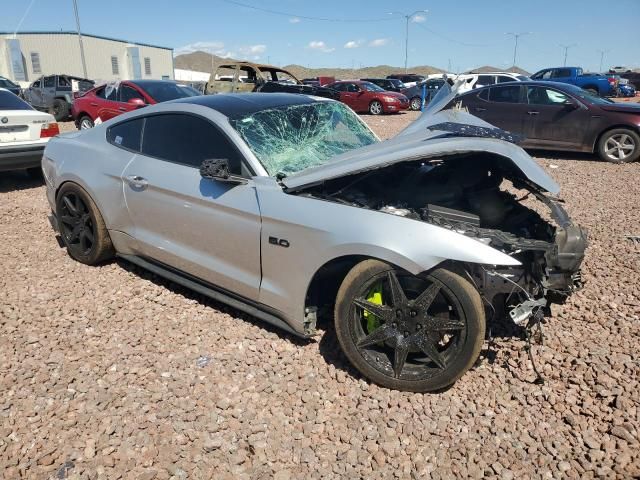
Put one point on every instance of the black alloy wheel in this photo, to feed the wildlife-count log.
(417, 333)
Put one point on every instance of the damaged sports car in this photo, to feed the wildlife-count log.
(289, 207)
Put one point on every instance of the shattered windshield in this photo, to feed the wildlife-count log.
(292, 138)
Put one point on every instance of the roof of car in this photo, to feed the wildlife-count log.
(238, 105)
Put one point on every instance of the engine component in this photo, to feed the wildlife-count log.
(521, 313)
(438, 215)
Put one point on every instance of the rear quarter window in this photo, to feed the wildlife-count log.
(127, 135)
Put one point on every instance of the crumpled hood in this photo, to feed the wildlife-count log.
(421, 141)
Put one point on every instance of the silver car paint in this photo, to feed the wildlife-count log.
(192, 214)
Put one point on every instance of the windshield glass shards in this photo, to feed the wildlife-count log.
(290, 139)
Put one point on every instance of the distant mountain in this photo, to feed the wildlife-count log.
(488, 68)
(204, 62)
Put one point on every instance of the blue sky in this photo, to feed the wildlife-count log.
(462, 33)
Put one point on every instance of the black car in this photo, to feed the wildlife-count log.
(431, 87)
(558, 116)
(9, 85)
(407, 78)
(390, 84)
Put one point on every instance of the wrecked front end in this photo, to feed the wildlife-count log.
(484, 196)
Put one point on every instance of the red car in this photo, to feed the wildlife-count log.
(367, 97)
(107, 101)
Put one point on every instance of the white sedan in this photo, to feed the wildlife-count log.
(24, 132)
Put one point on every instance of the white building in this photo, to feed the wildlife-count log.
(191, 76)
(26, 56)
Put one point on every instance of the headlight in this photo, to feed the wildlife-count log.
(390, 99)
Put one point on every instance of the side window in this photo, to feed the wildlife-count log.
(126, 134)
(127, 93)
(49, 82)
(506, 94)
(561, 73)
(504, 79)
(545, 96)
(543, 75)
(63, 82)
(100, 92)
(339, 87)
(187, 140)
(484, 95)
(484, 81)
(352, 87)
(36, 84)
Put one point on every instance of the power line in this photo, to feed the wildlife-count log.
(306, 17)
(453, 40)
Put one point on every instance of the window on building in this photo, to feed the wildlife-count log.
(114, 65)
(35, 62)
(147, 66)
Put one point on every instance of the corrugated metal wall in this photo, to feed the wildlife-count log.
(60, 53)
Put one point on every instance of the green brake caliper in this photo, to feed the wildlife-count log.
(374, 296)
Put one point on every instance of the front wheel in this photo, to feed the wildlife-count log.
(81, 226)
(85, 123)
(619, 145)
(375, 108)
(406, 332)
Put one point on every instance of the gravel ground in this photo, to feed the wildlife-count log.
(110, 372)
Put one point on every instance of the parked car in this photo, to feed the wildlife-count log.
(619, 69)
(55, 93)
(9, 85)
(318, 81)
(414, 94)
(557, 116)
(472, 81)
(388, 84)
(367, 97)
(113, 99)
(262, 78)
(626, 90)
(24, 132)
(408, 79)
(403, 240)
(593, 82)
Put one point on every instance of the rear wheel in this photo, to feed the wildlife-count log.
(619, 145)
(81, 226)
(416, 103)
(406, 332)
(60, 110)
(375, 108)
(85, 122)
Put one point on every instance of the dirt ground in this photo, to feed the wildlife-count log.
(112, 372)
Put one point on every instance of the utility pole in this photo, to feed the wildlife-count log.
(84, 64)
(516, 36)
(602, 52)
(566, 50)
(406, 33)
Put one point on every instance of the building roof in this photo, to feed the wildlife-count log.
(238, 105)
(71, 32)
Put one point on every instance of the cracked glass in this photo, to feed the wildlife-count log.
(290, 139)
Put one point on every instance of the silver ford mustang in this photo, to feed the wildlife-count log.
(288, 207)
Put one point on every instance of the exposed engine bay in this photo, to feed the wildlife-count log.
(476, 195)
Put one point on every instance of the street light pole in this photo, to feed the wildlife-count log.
(566, 50)
(84, 63)
(602, 52)
(515, 47)
(406, 34)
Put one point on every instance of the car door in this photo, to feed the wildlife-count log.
(33, 94)
(563, 75)
(207, 228)
(126, 93)
(106, 104)
(500, 105)
(357, 97)
(48, 91)
(554, 119)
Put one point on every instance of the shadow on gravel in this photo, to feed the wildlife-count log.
(16, 181)
(204, 300)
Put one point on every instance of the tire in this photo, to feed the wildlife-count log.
(419, 347)
(415, 103)
(620, 145)
(81, 226)
(60, 110)
(85, 122)
(35, 173)
(376, 108)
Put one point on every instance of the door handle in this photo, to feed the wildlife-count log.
(122, 109)
(137, 181)
(94, 104)
(532, 112)
(480, 109)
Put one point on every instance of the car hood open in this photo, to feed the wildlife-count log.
(433, 135)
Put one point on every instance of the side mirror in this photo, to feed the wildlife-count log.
(215, 169)
(136, 102)
(570, 105)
